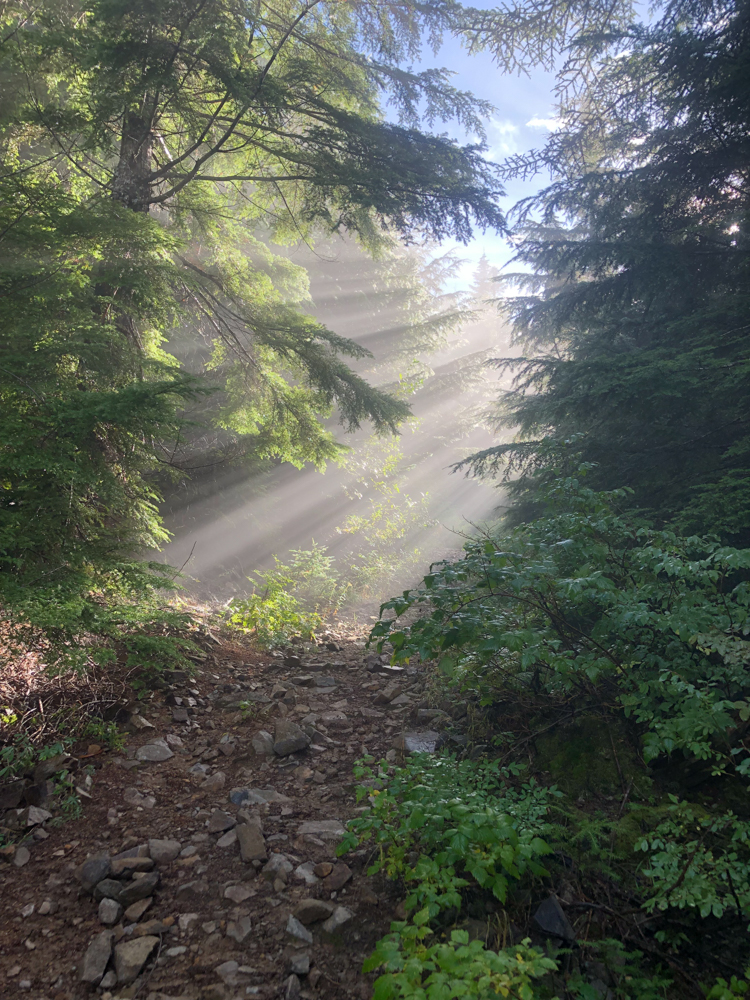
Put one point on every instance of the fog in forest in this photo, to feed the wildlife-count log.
(390, 504)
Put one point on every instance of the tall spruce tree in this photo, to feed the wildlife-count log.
(635, 321)
(145, 146)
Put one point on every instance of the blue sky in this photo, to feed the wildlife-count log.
(524, 112)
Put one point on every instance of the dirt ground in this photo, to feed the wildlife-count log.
(199, 910)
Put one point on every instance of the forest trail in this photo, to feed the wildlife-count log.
(167, 837)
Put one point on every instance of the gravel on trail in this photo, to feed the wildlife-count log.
(204, 864)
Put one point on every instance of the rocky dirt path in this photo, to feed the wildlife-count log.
(204, 864)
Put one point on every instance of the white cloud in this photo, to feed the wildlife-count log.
(551, 124)
(502, 137)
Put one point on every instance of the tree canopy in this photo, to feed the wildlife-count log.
(634, 318)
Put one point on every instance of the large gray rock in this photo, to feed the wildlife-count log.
(139, 888)
(108, 888)
(238, 930)
(154, 752)
(550, 919)
(278, 866)
(338, 918)
(193, 892)
(262, 742)
(289, 738)
(255, 796)
(33, 816)
(220, 822)
(297, 931)
(110, 912)
(131, 956)
(252, 844)
(310, 911)
(93, 871)
(326, 829)
(164, 851)
(96, 958)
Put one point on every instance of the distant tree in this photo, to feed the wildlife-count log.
(634, 319)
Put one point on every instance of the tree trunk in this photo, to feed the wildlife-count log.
(131, 185)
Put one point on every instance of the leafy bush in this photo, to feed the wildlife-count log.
(415, 970)
(290, 599)
(588, 602)
(699, 862)
(467, 826)
(462, 820)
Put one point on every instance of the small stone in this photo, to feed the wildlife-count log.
(153, 753)
(136, 799)
(424, 741)
(193, 892)
(164, 851)
(28, 910)
(11, 794)
(297, 930)
(48, 907)
(139, 722)
(96, 958)
(125, 867)
(311, 911)
(174, 741)
(93, 871)
(185, 921)
(139, 889)
(179, 949)
(326, 829)
(289, 738)
(338, 918)
(262, 743)
(323, 869)
(110, 912)
(306, 873)
(200, 769)
(180, 715)
(188, 852)
(238, 930)
(238, 893)
(131, 956)
(108, 888)
(291, 988)
(338, 878)
(227, 972)
(136, 910)
(21, 857)
(229, 838)
(278, 867)
(252, 844)
(256, 796)
(220, 821)
(33, 816)
(215, 781)
(299, 964)
(109, 980)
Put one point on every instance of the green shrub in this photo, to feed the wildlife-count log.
(586, 602)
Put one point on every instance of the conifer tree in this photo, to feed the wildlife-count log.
(635, 320)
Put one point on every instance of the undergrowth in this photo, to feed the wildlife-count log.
(612, 657)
